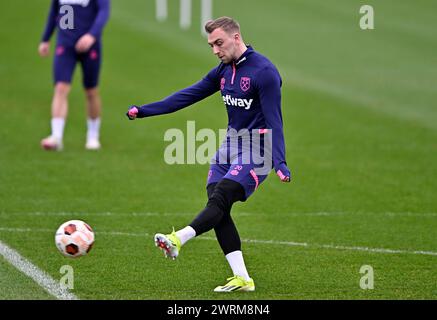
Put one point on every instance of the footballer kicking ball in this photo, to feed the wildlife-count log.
(74, 238)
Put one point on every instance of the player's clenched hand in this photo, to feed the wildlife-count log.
(132, 112)
(283, 173)
(44, 49)
(84, 43)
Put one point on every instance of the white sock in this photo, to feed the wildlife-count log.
(186, 234)
(58, 128)
(236, 261)
(93, 128)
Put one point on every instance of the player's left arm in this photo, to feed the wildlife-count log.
(269, 89)
(87, 40)
(101, 18)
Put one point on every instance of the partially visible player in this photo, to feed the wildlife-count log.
(251, 90)
(81, 43)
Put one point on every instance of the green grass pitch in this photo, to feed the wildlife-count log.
(360, 122)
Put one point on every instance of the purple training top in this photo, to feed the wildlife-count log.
(251, 90)
(89, 16)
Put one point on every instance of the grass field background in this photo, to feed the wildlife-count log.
(360, 123)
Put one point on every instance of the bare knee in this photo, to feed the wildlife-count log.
(92, 93)
(62, 88)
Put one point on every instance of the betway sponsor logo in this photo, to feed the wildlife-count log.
(83, 3)
(236, 102)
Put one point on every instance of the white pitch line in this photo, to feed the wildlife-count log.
(378, 250)
(97, 214)
(272, 242)
(40, 277)
(237, 214)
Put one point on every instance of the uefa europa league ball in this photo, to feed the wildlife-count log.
(74, 238)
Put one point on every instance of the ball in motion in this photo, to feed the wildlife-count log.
(74, 238)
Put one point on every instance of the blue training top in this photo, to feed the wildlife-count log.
(89, 16)
(251, 91)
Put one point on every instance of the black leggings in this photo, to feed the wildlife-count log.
(217, 214)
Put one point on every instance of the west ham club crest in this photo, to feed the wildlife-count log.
(245, 83)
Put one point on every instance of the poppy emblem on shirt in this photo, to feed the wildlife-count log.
(60, 50)
(93, 54)
(245, 83)
(222, 83)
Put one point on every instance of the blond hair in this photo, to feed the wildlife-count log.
(228, 25)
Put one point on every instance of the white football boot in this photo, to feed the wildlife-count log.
(170, 244)
(52, 143)
(92, 144)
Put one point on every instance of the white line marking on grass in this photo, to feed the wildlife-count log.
(336, 247)
(127, 234)
(25, 230)
(40, 277)
(339, 213)
(22, 230)
(237, 214)
(97, 214)
(377, 250)
(272, 242)
(286, 243)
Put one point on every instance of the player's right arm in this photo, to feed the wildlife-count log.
(179, 100)
(44, 45)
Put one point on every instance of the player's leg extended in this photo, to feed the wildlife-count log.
(225, 194)
(227, 233)
(63, 68)
(91, 62)
(174, 241)
(225, 230)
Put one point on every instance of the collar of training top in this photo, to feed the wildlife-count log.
(243, 57)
